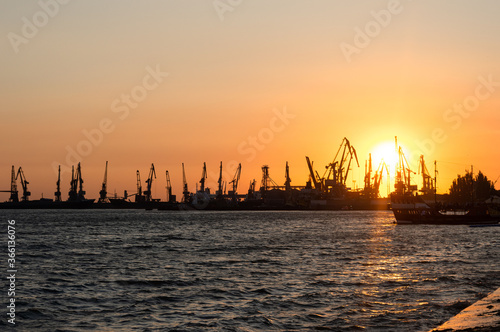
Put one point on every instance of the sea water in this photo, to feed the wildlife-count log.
(134, 270)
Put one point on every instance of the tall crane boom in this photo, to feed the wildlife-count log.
(403, 175)
(57, 194)
(24, 184)
(368, 172)
(287, 178)
(427, 181)
(73, 186)
(149, 182)
(378, 178)
(138, 195)
(81, 192)
(104, 192)
(14, 194)
(314, 176)
(139, 183)
(76, 192)
(235, 181)
(203, 177)
(185, 191)
(337, 171)
(170, 197)
(219, 190)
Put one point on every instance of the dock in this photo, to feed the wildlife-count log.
(482, 316)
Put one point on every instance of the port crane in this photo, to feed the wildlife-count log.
(170, 197)
(403, 175)
(73, 186)
(234, 182)
(185, 192)
(57, 194)
(203, 177)
(14, 194)
(336, 172)
(76, 191)
(427, 181)
(149, 182)
(287, 178)
(251, 189)
(266, 180)
(138, 196)
(104, 192)
(316, 179)
(368, 172)
(24, 184)
(219, 192)
(81, 192)
(377, 179)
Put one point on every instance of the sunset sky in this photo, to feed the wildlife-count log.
(257, 82)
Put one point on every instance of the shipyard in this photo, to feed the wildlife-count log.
(329, 191)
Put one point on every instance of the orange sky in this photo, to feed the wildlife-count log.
(259, 83)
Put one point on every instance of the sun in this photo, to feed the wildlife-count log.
(385, 151)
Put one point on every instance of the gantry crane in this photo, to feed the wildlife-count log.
(315, 178)
(234, 182)
(287, 178)
(186, 198)
(427, 181)
(377, 179)
(76, 192)
(138, 196)
(403, 175)
(251, 189)
(104, 193)
(170, 198)
(57, 194)
(14, 194)
(288, 187)
(266, 180)
(149, 183)
(73, 186)
(203, 177)
(219, 192)
(338, 170)
(81, 192)
(372, 190)
(24, 184)
(336, 173)
(368, 173)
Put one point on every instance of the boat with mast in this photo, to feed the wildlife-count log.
(410, 207)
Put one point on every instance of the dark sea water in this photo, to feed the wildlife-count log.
(127, 270)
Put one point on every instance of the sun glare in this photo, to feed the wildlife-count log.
(386, 152)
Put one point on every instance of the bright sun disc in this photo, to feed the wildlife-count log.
(387, 152)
